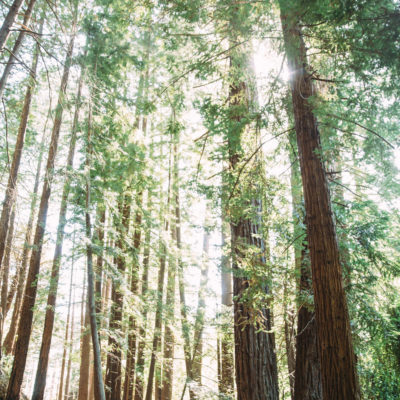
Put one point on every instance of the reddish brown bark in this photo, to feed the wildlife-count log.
(338, 369)
(113, 369)
(255, 358)
(226, 383)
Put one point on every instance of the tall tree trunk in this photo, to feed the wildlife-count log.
(182, 298)
(99, 261)
(139, 383)
(169, 338)
(99, 391)
(227, 364)
(8, 343)
(113, 370)
(160, 294)
(67, 327)
(201, 307)
(255, 359)
(8, 22)
(338, 367)
(307, 375)
(83, 389)
(131, 352)
(6, 269)
(70, 349)
(17, 46)
(13, 176)
(41, 372)
(25, 326)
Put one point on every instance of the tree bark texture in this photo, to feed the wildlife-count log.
(255, 358)
(338, 369)
(113, 371)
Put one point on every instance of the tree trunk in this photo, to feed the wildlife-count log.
(160, 294)
(8, 343)
(25, 326)
(69, 365)
(226, 386)
(83, 389)
(113, 370)
(99, 391)
(169, 338)
(131, 352)
(17, 46)
(9, 199)
(139, 384)
(201, 306)
(41, 372)
(255, 359)
(67, 327)
(338, 369)
(6, 269)
(307, 375)
(8, 22)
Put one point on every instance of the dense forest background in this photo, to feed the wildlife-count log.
(200, 199)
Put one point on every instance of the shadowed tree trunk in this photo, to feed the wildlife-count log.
(10, 196)
(226, 386)
(41, 372)
(335, 347)
(113, 370)
(17, 46)
(25, 326)
(307, 376)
